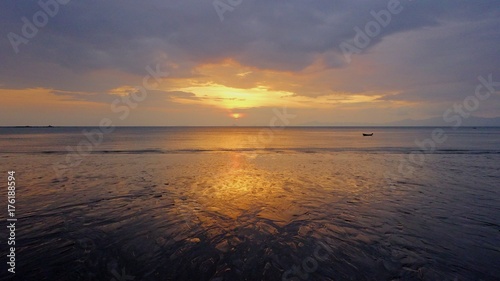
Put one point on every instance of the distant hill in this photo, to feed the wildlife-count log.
(472, 121)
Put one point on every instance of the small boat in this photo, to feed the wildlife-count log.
(367, 135)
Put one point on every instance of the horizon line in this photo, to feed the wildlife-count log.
(244, 126)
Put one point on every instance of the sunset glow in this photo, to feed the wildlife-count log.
(250, 140)
(231, 97)
(202, 73)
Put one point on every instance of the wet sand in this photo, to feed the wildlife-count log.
(268, 216)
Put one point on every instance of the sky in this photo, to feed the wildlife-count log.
(244, 62)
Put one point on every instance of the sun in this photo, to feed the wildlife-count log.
(236, 115)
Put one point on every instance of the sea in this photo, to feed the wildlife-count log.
(250, 203)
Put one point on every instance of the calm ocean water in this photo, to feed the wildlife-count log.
(261, 139)
(251, 204)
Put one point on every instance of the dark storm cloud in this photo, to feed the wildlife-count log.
(280, 35)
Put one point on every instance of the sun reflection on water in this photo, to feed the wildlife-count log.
(240, 189)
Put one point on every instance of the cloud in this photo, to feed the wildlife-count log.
(430, 52)
(280, 35)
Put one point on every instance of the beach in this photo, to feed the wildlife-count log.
(226, 204)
